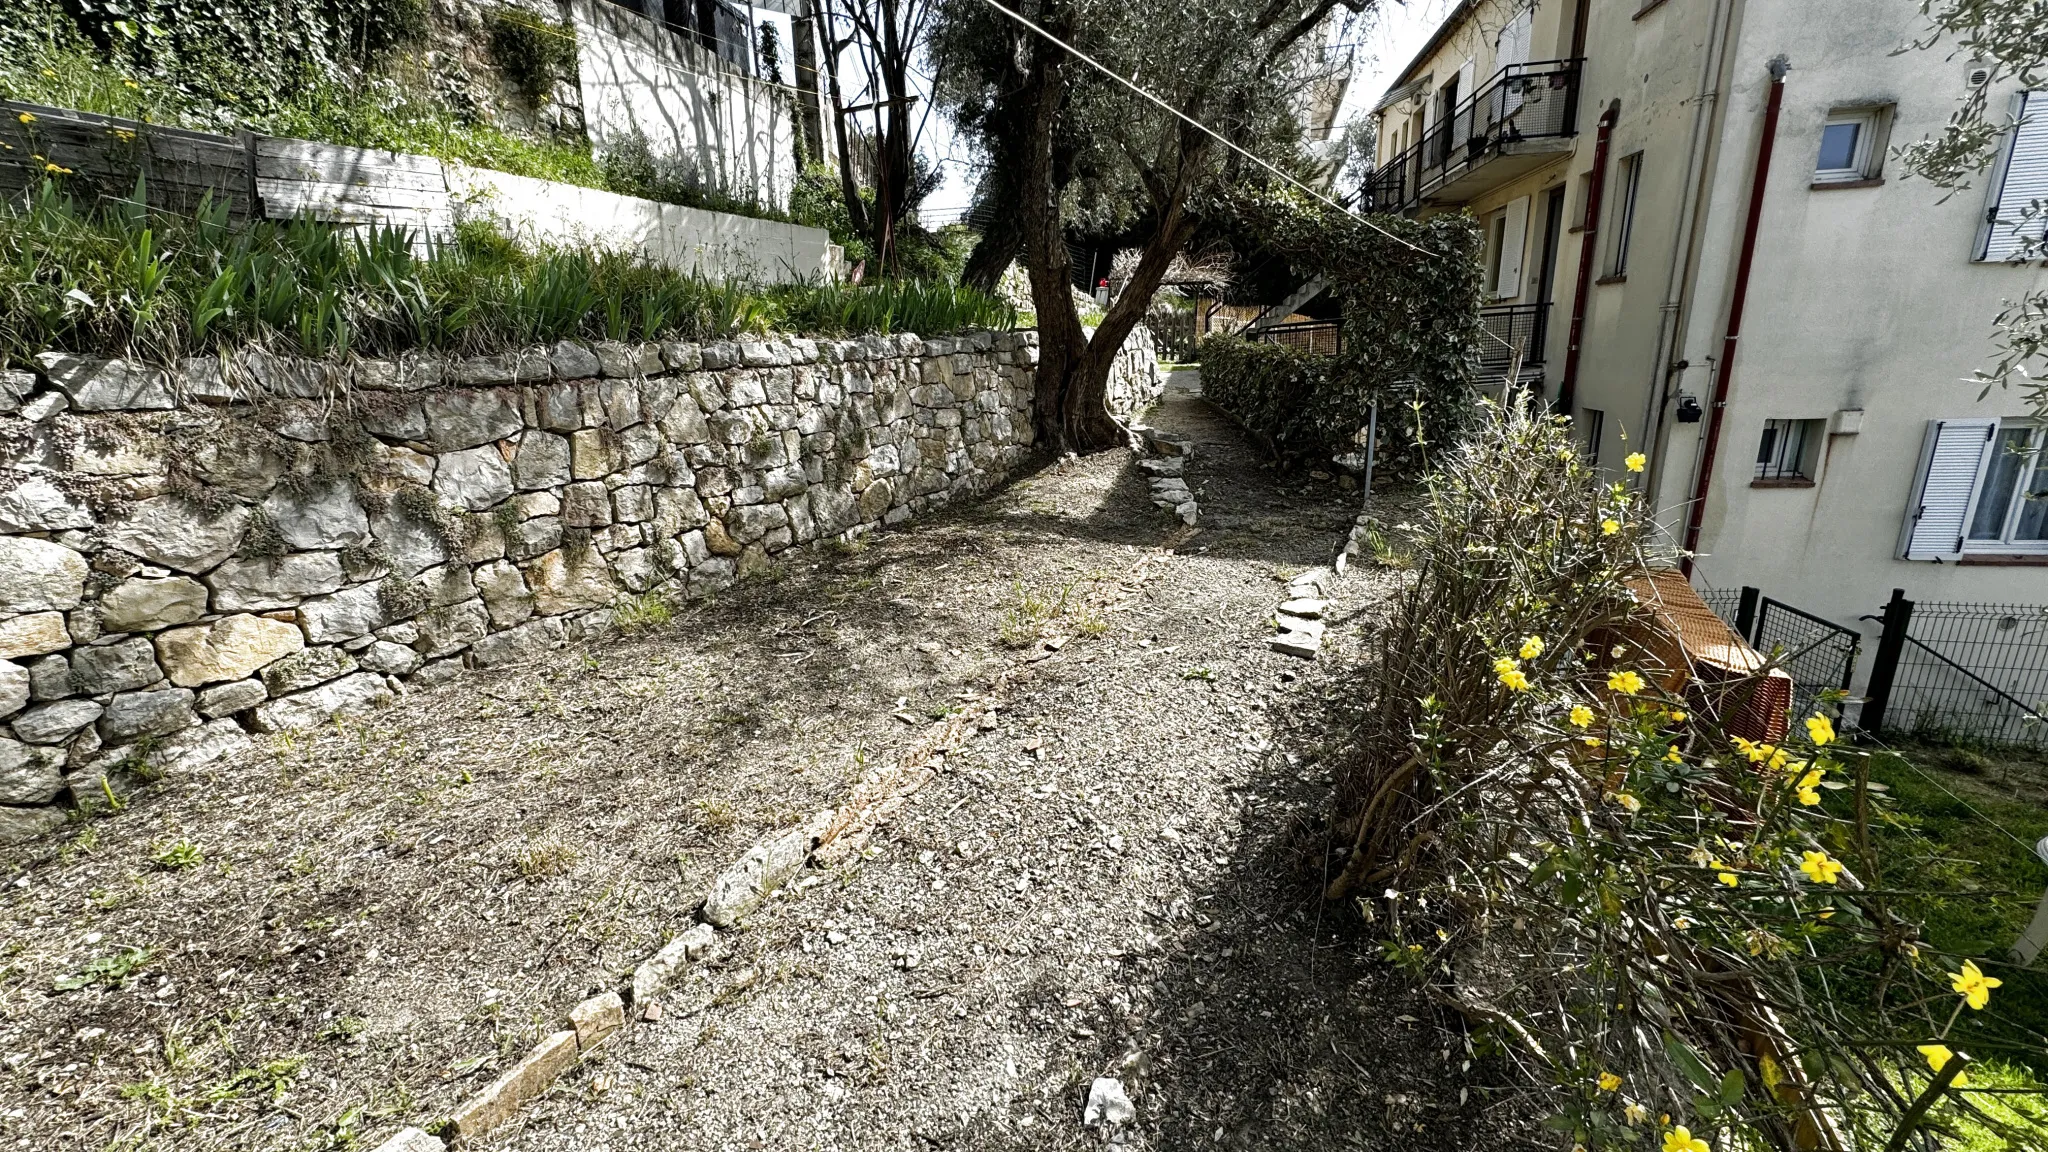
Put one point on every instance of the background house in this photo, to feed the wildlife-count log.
(1609, 149)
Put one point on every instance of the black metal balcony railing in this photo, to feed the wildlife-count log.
(1323, 337)
(1512, 337)
(1521, 102)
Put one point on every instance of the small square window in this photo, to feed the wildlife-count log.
(1851, 147)
(1789, 449)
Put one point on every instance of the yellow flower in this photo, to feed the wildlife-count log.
(27, 118)
(1672, 754)
(1634, 1113)
(1610, 526)
(1675, 717)
(1938, 1055)
(1820, 867)
(1592, 741)
(1634, 461)
(1820, 729)
(1681, 1139)
(132, 84)
(1682, 923)
(1973, 985)
(1582, 716)
(1511, 674)
(1629, 802)
(1532, 647)
(1779, 758)
(1728, 878)
(1626, 683)
(1609, 1081)
(1808, 787)
(57, 168)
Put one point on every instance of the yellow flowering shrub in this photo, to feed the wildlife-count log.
(1601, 878)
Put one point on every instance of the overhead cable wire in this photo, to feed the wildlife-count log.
(1092, 62)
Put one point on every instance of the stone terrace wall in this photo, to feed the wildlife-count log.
(261, 543)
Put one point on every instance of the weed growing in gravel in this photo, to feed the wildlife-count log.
(547, 858)
(113, 971)
(1031, 618)
(714, 815)
(178, 856)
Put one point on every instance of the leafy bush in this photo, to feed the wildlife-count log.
(535, 54)
(1304, 404)
(122, 280)
(1549, 825)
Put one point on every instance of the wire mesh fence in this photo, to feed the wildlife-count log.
(1974, 671)
(1819, 654)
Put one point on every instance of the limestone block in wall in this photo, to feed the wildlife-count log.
(536, 536)
(228, 699)
(682, 357)
(639, 443)
(518, 645)
(443, 631)
(475, 478)
(620, 402)
(527, 367)
(351, 694)
(411, 374)
(16, 688)
(714, 575)
(586, 504)
(467, 418)
(119, 666)
(632, 504)
(635, 569)
(344, 615)
(658, 397)
(572, 361)
(448, 584)
(561, 584)
(557, 407)
(30, 773)
(504, 592)
(258, 585)
(541, 461)
(37, 504)
(145, 605)
(306, 668)
(179, 534)
(55, 722)
(94, 385)
(676, 509)
(390, 659)
(15, 387)
(157, 712)
(706, 390)
(230, 648)
(412, 546)
(593, 454)
(318, 515)
(39, 576)
(751, 522)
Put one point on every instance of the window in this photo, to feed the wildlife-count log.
(1506, 234)
(1851, 145)
(1788, 451)
(1982, 488)
(1592, 421)
(1585, 215)
(1628, 177)
(2011, 228)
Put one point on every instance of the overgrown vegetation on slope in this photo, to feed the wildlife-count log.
(1682, 935)
(121, 280)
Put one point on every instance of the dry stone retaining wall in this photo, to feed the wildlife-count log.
(260, 543)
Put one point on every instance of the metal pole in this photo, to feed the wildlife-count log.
(1372, 441)
(1898, 613)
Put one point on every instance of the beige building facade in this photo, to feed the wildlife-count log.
(1610, 150)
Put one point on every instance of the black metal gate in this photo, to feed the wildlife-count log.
(1819, 654)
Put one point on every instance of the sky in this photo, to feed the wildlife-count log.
(1395, 36)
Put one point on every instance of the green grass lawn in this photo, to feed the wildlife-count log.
(1963, 825)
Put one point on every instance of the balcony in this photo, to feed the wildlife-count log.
(1511, 343)
(1524, 118)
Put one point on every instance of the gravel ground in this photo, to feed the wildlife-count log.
(359, 929)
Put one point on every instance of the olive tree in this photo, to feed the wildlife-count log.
(1065, 140)
(2010, 37)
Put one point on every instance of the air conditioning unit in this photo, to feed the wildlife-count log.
(1978, 76)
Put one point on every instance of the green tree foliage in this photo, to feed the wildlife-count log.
(2008, 37)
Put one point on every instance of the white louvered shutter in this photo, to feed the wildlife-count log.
(2022, 179)
(1513, 236)
(1513, 46)
(1951, 461)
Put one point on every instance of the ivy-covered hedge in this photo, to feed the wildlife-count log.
(1410, 295)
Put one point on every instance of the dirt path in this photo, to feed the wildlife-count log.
(360, 930)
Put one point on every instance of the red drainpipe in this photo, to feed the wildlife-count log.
(1696, 511)
(1568, 386)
